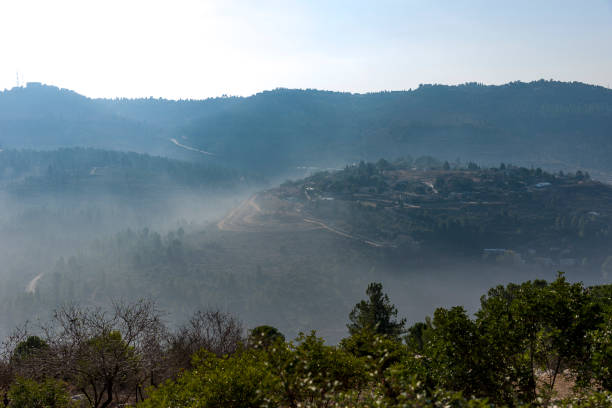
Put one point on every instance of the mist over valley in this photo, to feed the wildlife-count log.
(281, 207)
(305, 204)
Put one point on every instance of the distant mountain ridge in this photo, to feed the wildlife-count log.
(555, 125)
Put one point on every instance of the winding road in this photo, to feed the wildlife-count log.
(193, 149)
(240, 215)
(344, 234)
(31, 287)
(243, 218)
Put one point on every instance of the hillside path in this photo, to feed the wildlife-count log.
(341, 233)
(244, 212)
(193, 149)
(31, 286)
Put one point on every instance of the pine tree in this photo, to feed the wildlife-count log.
(377, 314)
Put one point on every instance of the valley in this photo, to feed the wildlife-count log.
(305, 204)
(297, 255)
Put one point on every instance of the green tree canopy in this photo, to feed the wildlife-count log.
(28, 347)
(377, 314)
(264, 336)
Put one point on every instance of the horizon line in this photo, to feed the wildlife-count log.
(34, 84)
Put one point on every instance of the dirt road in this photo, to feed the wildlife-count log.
(193, 149)
(241, 216)
(249, 216)
(31, 286)
(344, 234)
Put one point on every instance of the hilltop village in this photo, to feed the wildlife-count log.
(491, 213)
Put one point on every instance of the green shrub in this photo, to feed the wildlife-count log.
(313, 374)
(50, 393)
(599, 368)
(29, 347)
(594, 400)
(242, 380)
(379, 351)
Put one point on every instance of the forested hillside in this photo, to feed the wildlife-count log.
(553, 125)
(95, 171)
(56, 203)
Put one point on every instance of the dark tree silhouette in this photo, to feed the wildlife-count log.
(377, 314)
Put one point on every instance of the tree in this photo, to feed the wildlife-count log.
(103, 365)
(378, 351)
(376, 314)
(599, 368)
(416, 336)
(454, 352)
(101, 352)
(536, 327)
(212, 330)
(264, 336)
(29, 347)
(310, 373)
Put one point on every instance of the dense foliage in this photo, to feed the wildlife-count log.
(238, 381)
(524, 341)
(50, 393)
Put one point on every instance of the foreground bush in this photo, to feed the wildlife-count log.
(594, 400)
(509, 354)
(312, 373)
(241, 380)
(287, 374)
(31, 394)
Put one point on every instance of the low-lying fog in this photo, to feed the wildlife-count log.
(58, 246)
(36, 232)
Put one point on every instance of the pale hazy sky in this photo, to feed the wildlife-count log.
(197, 49)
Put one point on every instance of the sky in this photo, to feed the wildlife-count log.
(194, 49)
